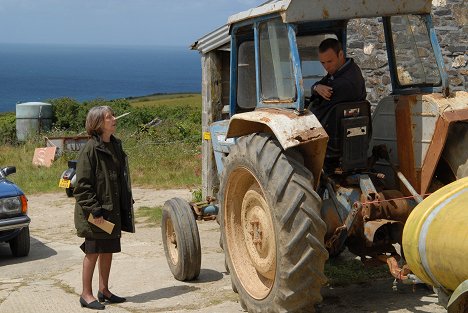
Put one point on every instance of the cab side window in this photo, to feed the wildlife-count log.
(246, 84)
(276, 70)
(414, 55)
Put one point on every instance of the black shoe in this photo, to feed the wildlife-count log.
(95, 305)
(111, 299)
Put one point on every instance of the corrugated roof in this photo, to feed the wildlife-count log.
(318, 10)
(213, 40)
(218, 37)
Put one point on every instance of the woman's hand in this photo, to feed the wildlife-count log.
(99, 220)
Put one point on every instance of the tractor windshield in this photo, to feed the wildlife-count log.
(276, 69)
(414, 56)
(312, 69)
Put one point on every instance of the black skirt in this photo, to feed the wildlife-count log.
(101, 245)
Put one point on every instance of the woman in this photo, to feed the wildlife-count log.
(102, 190)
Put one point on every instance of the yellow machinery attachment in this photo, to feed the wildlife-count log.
(435, 239)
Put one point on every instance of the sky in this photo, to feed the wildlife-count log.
(114, 22)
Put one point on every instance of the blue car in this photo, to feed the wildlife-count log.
(14, 221)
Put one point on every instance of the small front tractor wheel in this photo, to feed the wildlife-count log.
(181, 239)
(272, 232)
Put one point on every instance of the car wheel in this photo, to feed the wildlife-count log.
(20, 245)
(69, 192)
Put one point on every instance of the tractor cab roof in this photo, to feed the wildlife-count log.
(297, 11)
(300, 11)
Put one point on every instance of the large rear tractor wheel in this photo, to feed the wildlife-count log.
(181, 239)
(272, 231)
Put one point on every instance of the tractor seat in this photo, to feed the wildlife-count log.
(348, 126)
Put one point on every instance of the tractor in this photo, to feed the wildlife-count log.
(289, 192)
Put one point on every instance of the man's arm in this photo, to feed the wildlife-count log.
(314, 92)
(323, 91)
(342, 92)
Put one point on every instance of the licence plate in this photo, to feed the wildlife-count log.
(64, 183)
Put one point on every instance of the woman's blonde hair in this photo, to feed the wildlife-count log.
(95, 119)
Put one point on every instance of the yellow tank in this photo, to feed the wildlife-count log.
(435, 237)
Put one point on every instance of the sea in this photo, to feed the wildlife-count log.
(40, 72)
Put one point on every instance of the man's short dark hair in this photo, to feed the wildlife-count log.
(330, 43)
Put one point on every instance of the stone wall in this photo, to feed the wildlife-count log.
(366, 44)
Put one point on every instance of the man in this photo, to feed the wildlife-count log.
(343, 83)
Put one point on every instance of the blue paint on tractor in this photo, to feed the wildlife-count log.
(210, 210)
(221, 144)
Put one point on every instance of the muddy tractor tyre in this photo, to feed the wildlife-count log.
(181, 239)
(272, 231)
(21, 244)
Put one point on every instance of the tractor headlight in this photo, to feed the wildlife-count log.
(11, 206)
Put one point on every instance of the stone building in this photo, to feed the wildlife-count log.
(367, 46)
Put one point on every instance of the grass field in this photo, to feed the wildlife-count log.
(167, 100)
(169, 155)
(163, 156)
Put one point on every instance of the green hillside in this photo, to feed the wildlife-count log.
(161, 135)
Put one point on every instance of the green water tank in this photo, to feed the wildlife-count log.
(32, 118)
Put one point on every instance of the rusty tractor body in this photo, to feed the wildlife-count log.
(292, 192)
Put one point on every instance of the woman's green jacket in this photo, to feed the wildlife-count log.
(103, 189)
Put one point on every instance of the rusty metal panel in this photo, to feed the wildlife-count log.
(426, 125)
(413, 139)
(404, 130)
(450, 110)
(455, 151)
(419, 129)
(289, 128)
(66, 143)
(371, 227)
(303, 132)
(433, 153)
(422, 125)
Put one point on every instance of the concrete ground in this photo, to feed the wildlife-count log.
(49, 279)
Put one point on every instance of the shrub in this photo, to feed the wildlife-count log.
(65, 114)
(70, 115)
(8, 128)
